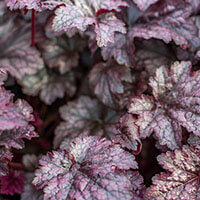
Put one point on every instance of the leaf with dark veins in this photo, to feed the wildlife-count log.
(81, 14)
(175, 104)
(108, 83)
(16, 54)
(14, 138)
(128, 135)
(85, 115)
(87, 171)
(5, 157)
(122, 50)
(182, 179)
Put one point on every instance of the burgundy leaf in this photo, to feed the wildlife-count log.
(12, 183)
(85, 114)
(182, 179)
(175, 104)
(109, 84)
(76, 14)
(88, 171)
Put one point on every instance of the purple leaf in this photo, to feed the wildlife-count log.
(12, 183)
(170, 21)
(122, 50)
(128, 135)
(85, 114)
(62, 52)
(29, 191)
(109, 84)
(82, 14)
(37, 5)
(13, 115)
(182, 179)
(14, 138)
(90, 170)
(50, 85)
(16, 54)
(175, 104)
(144, 4)
(5, 157)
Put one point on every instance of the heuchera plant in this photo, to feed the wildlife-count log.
(107, 92)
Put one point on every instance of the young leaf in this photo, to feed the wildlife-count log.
(109, 84)
(85, 114)
(81, 14)
(175, 104)
(88, 171)
(182, 179)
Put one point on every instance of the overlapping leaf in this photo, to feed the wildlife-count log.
(170, 21)
(49, 85)
(182, 179)
(175, 104)
(128, 135)
(37, 5)
(88, 171)
(62, 52)
(122, 50)
(85, 114)
(81, 14)
(108, 83)
(16, 54)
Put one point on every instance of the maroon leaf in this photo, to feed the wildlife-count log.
(109, 84)
(85, 114)
(175, 104)
(80, 15)
(87, 171)
(12, 183)
(182, 180)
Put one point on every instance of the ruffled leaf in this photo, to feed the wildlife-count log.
(80, 15)
(87, 171)
(109, 84)
(182, 179)
(85, 115)
(175, 104)
(144, 4)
